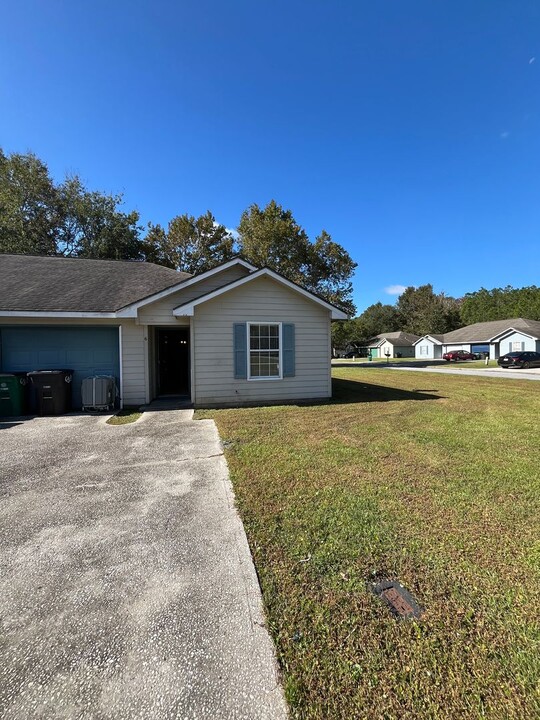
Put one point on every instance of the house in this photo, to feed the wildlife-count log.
(396, 344)
(392, 344)
(496, 337)
(235, 334)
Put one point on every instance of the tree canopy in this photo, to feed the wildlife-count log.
(271, 237)
(39, 216)
(500, 304)
(423, 311)
(190, 244)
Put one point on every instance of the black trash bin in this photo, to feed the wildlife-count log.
(52, 391)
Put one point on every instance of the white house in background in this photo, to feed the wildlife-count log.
(429, 347)
(233, 335)
(496, 337)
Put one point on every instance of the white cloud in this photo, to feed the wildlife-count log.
(531, 60)
(395, 289)
(504, 135)
(231, 231)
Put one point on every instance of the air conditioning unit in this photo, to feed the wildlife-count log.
(98, 392)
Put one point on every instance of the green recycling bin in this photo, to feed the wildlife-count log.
(13, 394)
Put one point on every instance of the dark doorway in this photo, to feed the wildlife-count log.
(172, 361)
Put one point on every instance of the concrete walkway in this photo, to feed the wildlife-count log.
(127, 588)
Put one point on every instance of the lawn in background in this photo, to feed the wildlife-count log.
(430, 479)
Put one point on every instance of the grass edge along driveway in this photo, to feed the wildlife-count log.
(431, 480)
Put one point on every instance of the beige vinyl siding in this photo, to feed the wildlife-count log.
(134, 365)
(262, 300)
(161, 312)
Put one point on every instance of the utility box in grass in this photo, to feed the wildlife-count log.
(98, 392)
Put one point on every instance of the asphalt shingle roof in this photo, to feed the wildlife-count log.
(401, 339)
(482, 332)
(56, 284)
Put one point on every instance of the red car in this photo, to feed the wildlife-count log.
(456, 355)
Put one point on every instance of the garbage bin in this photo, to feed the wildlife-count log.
(13, 394)
(53, 390)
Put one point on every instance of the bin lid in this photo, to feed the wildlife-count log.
(51, 372)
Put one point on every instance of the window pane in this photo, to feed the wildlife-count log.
(264, 350)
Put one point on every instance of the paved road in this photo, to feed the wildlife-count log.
(127, 589)
(493, 372)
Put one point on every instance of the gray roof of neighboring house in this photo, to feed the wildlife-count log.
(400, 339)
(57, 284)
(482, 332)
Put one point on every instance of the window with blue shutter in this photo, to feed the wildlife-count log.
(240, 350)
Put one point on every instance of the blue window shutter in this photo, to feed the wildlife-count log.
(522, 345)
(509, 347)
(288, 350)
(240, 350)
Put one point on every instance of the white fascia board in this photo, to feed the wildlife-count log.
(131, 310)
(188, 309)
(500, 336)
(55, 314)
(428, 337)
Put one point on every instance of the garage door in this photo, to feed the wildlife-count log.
(87, 351)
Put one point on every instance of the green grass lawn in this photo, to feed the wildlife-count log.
(432, 480)
(124, 417)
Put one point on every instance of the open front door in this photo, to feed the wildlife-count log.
(173, 363)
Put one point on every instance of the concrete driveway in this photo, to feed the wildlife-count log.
(126, 585)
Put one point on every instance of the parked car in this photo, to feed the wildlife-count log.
(520, 360)
(456, 355)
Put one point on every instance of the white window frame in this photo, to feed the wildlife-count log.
(255, 378)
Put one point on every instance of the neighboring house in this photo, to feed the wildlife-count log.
(496, 337)
(396, 344)
(429, 347)
(235, 334)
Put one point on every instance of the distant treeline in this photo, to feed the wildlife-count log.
(420, 311)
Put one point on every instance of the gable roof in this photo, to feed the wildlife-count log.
(438, 339)
(486, 331)
(30, 283)
(399, 339)
(188, 308)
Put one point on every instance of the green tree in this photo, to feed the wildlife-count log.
(377, 319)
(28, 205)
(422, 311)
(190, 244)
(41, 217)
(92, 225)
(501, 304)
(154, 246)
(271, 237)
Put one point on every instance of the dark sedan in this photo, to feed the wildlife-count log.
(520, 360)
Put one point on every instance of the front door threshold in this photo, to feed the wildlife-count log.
(169, 402)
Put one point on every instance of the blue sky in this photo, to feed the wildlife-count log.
(409, 130)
